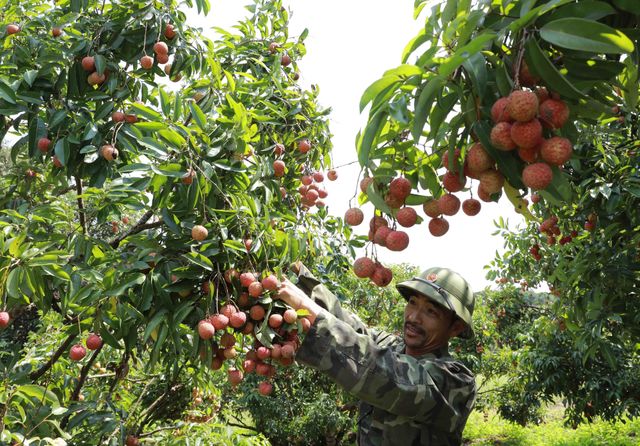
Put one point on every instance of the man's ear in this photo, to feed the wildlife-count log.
(456, 328)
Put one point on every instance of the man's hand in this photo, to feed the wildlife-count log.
(297, 299)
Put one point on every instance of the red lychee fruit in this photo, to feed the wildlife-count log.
(93, 341)
(199, 233)
(377, 222)
(449, 204)
(5, 318)
(523, 105)
(478, 159)
(332, 175)
(526, 77)
(364, 267)
(400, 188)
(364, 184)
(432, 208)
(397, 241)
(288, 351)
(255, 289)
(306, 180)
(380, 236)
(543, 94)
(275, 320)
(382, 276)
(471, 206)
(228, 310)
(285, 60)
(537, 176)
(527, 134)
(455, 167)
(265, 388)
(44, 144)
(556, 150)
(290, 316)
(227, 340)
(451, 181)
(484, 195)
(501, 136)
(353, 216)
(438, 226)
(529, 155)
(499, 111)
(132, 440)
(318, 177)
(554, 113)
(407, 217)
(88, 64)
(206, 330)
(169, 31)
(77, 352)
(279, 168)
(246, 279)
(270, 283)
(146, 62)
(109, 152)
(235, 376)
(160, 48)
(238, 319)
(304, 146)
(393, 202)
(219, 321)
(12, 29)
(256, 312)
(278, 149)
(535, 198)
(491, 181)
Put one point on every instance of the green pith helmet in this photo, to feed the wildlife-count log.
(448, 289)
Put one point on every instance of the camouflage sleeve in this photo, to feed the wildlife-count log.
(327, 300)
(427, 391)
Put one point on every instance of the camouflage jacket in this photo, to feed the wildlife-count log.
(404, 400)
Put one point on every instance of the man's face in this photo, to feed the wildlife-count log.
(427, 325)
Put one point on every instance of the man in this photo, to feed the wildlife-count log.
(411, 391)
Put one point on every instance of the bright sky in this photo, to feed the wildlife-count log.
(350, 44)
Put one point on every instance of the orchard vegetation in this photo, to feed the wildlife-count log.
(156, 184)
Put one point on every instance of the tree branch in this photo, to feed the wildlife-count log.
(34, 376)
(138, 227)
(83, 220)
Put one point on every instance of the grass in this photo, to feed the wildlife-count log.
(488, 429)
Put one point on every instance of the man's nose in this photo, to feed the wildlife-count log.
(412, 315)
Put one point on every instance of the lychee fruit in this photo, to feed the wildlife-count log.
(364, 184)
(219, 321)
(77, 352)
(199, 233)
(526, 77)
(238, 319)
(353, 216)
(275, 320)
(529, 155)
(449, 204)
(5, 318)
(556, 150)
(455, 167)
(265, 388)
(256, 312)
(380, 236)
(484, 195)
(438, 226)
(206, 330)
(290, 316)
(44, 144)
(523, 105)
(451, 181)
(332, 175)
(527, 134)
(501, 136)
(109, 152)
(270, 283)
(543, 95)
(246, 278)
(377, 222)
(478, 159)
(382, 276)
(491, 181)
(397, 241)
(471, 206)
(255, 289)
(537, 176)
(432, 208)
(554, 113)
(364, 267)
(304, 146)
(279, 168)
(407, 217)
(400, 188)
(499, 111)
(235, 376)
(393, 202)
(93, 341)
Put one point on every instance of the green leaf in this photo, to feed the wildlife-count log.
(586, 9)
(375, 88)
(198, 115)
(7, 93)
(586, 35)
(198, 259)
(540, 64)
(119, 289)
(423, 104)
(30, 76)
(627, 5)
(57, 271)
(165, 102)
(465, 52)
(365, 141)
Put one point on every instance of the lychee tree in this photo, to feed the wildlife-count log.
(149, 168)
(537, 100)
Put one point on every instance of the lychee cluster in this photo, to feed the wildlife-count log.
(242, 315)
(521, 120)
